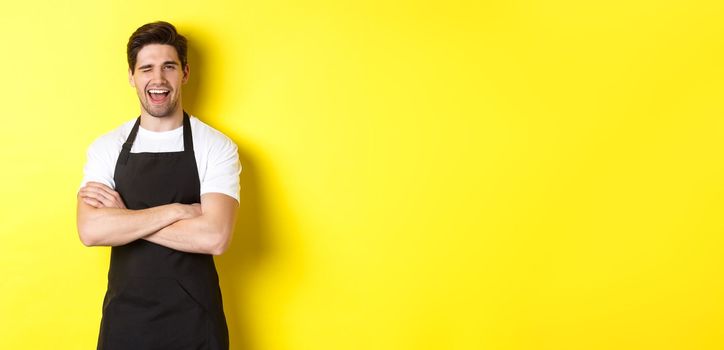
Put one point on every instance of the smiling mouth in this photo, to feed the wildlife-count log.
(158, 96)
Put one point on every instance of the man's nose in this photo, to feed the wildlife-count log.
(158, 75)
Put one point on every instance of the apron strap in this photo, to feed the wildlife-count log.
(126, 150)
(188, 140)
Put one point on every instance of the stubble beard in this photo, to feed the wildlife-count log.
(162, 111)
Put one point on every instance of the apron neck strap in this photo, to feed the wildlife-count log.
(188, 140)
(126, 149)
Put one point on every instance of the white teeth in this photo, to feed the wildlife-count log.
(157, 91)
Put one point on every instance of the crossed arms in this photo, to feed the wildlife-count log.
(206, 228)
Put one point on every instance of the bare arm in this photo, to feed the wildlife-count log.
(103, 219)
(208, 233)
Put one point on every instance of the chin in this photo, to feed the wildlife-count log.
(160, 112)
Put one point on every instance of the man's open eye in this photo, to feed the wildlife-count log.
(170, 67)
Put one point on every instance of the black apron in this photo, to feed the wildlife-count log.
(157, 297)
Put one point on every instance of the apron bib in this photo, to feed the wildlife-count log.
(157, 297)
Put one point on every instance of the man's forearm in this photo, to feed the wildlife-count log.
(114, 226)
(208, 233)
(104, 220)
(192, 236)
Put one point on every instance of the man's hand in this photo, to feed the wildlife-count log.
(99, 195)
(103, 218)
(189, 211)
(209, 233)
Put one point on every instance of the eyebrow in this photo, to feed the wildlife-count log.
(163, 64)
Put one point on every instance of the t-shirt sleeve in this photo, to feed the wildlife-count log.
(223, 169)
(99, 164)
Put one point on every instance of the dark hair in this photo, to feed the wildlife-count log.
(155, 33)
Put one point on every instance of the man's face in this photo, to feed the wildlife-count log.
(158, 78)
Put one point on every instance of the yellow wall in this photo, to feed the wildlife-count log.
(417, 175)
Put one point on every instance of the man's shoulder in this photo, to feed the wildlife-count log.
(211, 136)
(113, 139)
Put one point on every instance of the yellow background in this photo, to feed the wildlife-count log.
(417, 175)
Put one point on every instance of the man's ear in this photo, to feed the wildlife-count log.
(130, 78)
(187, 71)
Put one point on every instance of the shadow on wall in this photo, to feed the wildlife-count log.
(192, 92)
(249, 245)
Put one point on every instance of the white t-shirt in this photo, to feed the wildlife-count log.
(216, 155)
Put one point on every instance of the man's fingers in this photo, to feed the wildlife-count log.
(99, 186)
(107, 192)
(99, 192)
(119, 201)
(95, 196)
(100, 196)
(92, 202)
(109, 198)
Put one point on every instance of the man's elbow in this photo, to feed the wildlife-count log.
(219, 243)
(87, 236)
(87, 239)
(218, 249)
(86, 224)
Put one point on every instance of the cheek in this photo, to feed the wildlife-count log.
(140, 83)
(174, 78)
(140, 90)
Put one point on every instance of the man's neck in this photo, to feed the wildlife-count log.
(166, 123)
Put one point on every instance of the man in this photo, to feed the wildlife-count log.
(162, 190)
